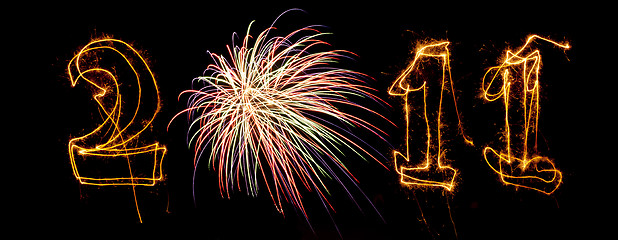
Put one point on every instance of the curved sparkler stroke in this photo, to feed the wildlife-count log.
(513, 170)
(270, 110)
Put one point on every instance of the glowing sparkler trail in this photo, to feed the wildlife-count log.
(527, 170)
(269, 111)
(117, 141)
(427, 173)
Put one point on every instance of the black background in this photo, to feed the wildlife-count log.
(175, 38)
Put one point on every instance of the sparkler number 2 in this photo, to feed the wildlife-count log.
(432, 172)
(113, 153)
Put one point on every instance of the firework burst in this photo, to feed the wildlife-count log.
(271, 110)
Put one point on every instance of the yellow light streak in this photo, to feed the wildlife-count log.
(519, 164)
(117, 139)
(426, 174)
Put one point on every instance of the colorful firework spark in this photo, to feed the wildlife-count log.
(270, 111)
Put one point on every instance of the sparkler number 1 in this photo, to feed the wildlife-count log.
(516, 83)
(432, 172)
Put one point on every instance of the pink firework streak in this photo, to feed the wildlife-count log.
(269, 111)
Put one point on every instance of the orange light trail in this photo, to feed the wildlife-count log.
(527, 170)
(117, 139)
(426, 174)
